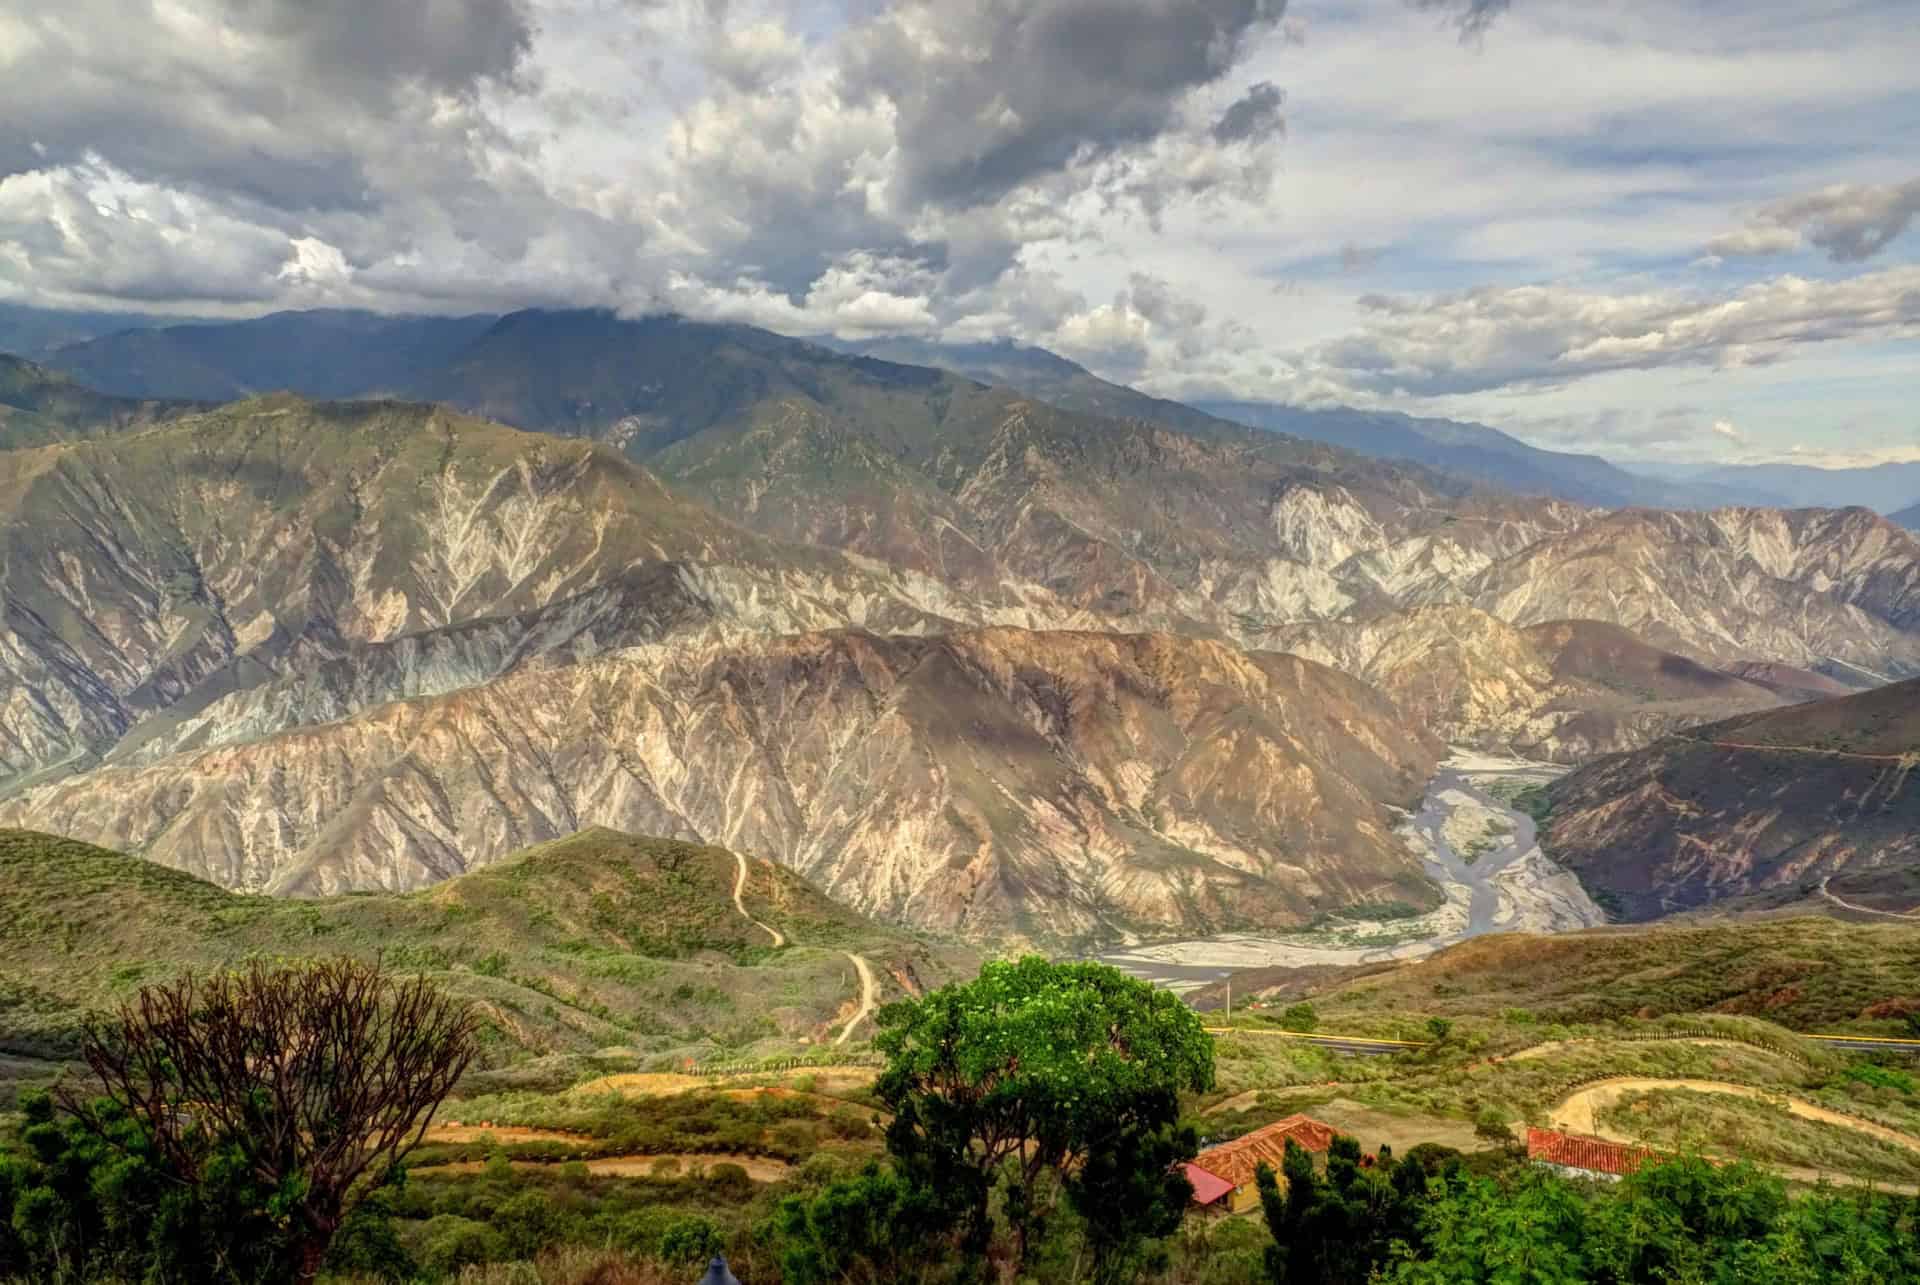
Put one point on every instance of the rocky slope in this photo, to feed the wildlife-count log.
(279, 562)
(1819, 795)
(1562, 691)
(1132, 512)
(1057, 786)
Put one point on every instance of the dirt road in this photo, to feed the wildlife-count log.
(1580, 1113)
(869, 993)
(739, 884)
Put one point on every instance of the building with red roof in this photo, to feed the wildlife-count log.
(1236, 1162)
(1578, 1156)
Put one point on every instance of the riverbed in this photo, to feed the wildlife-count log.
(1483, 853)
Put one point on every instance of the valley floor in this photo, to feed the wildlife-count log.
(1483, 852)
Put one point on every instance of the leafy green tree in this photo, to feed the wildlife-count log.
(1477, 1231)
(1018, 1079)
(1438, 1029)
(1674, 1220)
(1299, 1017)
(691, 1239)
(1336, 1229)
(868, 1230)
(96, 1201)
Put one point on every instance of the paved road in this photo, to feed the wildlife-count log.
(1868, 1044)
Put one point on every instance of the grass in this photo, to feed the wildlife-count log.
(1807, 973)
(1764, 1132)
(598, 941)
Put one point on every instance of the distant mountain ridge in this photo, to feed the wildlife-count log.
(481, 364)
(1908, 518)
(1883, 488)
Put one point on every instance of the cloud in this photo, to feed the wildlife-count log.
(1726, 428)
(1355, 258)
(1493, 337)
(1849, 221)
(1253, 118)
(1473, 17)
(987, 95)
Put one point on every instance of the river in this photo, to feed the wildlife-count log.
(1508, 885)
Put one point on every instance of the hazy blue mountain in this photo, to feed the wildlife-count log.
(1882, 488)
(1908, 517)
(1471, 451)
(322, 353)
(36, 333)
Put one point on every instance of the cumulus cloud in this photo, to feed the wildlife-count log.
(1539, 335)
(1850, 222)
(1727, 429)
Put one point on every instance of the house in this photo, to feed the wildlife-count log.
(1235, 1163)
(1575, 1155)
(1209, 1189)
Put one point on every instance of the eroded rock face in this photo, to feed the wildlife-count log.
(1057, 786)
(1778, 802)
(1563, 692)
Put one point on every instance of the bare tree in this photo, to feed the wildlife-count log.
(322, 1076)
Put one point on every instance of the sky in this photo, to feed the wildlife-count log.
(1663, 230)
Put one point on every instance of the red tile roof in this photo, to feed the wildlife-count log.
(1577, 1151)
(1207, 1187)
(1237, 1161)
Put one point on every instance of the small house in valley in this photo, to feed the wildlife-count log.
(1223, 1176)
(1575, 1155)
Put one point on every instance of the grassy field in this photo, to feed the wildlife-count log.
(1766, 1133)
(592, 954)
(1807, 973)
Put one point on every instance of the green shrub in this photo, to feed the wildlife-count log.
(689, 1240)
(451, 1243)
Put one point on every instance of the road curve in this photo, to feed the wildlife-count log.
(739, 884)
(869, 993)
(1864, 910)
(1580, 1112)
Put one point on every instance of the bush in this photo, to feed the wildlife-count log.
(690, 1240)
(730, 1182)
(1299, 1017)
(452, 1242)
(528, 1223)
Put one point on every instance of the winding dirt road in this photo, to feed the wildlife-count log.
(739, 884)
(869, 993)
(1580, 1113)
(1864, 910)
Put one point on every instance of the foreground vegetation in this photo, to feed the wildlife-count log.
(1026, 1126)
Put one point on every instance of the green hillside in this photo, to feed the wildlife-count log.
(38, 406)
(600, 940)
(1806, 973)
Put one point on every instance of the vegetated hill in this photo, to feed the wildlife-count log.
(1060, 787)
(1563, 691)
(1811, 797)
(318, 353)
(280, 561)
(593, 941)
(39, 405)
(1810, 973)
(1044, 375)
(1471, 451)
(1908, 517)
(1794, 686)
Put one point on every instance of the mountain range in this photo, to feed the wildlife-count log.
(1071, 668)
(336, 353)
